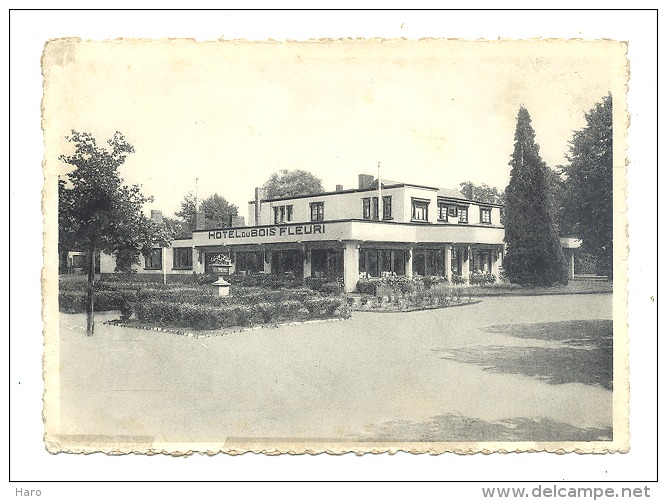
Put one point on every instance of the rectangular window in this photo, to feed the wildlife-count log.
(249, 261)
(282, 213)
(485, 215)
(317, 211)
(183, 258)
(153, 260)
(463, 214)
(382, 262)
(366, 208)
(419, 210)
(453, 211)
(376, 211)
(442, 212)
(386, 207)
(372, 263)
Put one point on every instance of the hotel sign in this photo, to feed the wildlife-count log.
(275, 231)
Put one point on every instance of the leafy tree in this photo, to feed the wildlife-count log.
(66, 238)
(177, 229)
(534, 255)
(286, 183)
(217, 211)
(99, 213)
(483, 192)
(188, 212)
(589, 185)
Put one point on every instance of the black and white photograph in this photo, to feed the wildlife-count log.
(335, 246)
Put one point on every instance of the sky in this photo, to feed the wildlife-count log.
(433, 112)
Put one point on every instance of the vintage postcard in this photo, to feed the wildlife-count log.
(335, 246)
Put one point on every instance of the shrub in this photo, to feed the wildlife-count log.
(433, 280)
(324, 306)
(267, 281)
(75, 302)
(402, 284)
(398, 286)
(206, 279)
(325, 285)
(482, 278)
(72, 302)
(458, 279)
(266, 311)
(206, 317)
(368, 285)
(126, 311)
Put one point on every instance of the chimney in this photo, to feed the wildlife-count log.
(339, 187)
(200, 220)
(156, 215)
(365, 181)
(236, 221)
(259, 194)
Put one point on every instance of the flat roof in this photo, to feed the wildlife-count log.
(352, 190)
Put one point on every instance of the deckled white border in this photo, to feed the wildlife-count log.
(615, 50)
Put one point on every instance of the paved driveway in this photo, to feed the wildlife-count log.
(360, 378)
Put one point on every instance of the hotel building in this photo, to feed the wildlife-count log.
(374, 230)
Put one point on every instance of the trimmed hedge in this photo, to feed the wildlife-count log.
(266, 281)
(206, 317)
(201, 307)
(75, 302)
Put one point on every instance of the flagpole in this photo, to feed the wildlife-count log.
(380, 205)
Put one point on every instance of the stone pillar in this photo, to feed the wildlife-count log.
(307, 264)
(197, 261)
(448, 262)
(267, 262)
(570, 270)
(351, 266)
(408, 261)
(495, 259)
(465, 269)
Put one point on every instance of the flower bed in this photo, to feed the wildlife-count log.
(438, 296)
(406, 294)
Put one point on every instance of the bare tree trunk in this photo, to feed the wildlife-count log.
(90, 325)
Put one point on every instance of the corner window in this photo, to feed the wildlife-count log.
(419, 210)
(153, 260)
(317, 211)
(463, 215)
(442, 212)
(485, 215)
(386, 207)
(182, 258)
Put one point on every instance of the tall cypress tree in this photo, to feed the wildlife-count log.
(534, 255)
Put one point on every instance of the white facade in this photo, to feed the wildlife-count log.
(398, 229)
